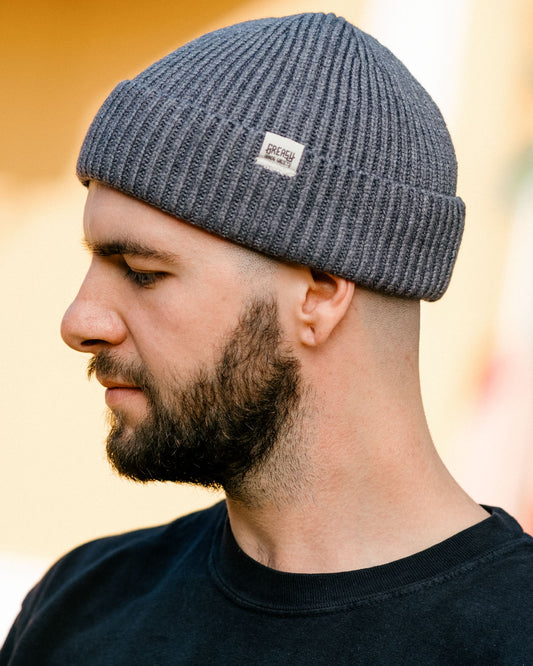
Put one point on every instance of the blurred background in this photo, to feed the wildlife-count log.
(60, 59)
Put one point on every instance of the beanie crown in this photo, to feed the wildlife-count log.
(301, 137)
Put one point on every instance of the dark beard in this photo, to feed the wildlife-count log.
(222, 425)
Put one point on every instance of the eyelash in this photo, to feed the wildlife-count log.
(143, 279)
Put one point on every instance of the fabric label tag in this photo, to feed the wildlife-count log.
(280, 154)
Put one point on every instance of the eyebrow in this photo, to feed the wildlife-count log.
(126, 247)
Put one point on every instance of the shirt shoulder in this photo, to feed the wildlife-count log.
(149, 551)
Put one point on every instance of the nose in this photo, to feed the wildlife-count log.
(91, 322)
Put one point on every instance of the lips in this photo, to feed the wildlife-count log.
(115, 384)
(120, 394)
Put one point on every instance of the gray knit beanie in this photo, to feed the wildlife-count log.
(300, 137)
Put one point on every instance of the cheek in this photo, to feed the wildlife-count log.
(290, 326)
(181, 335)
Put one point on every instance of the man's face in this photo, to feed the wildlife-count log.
(198, 382)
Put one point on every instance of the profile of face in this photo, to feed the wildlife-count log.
(200, 385)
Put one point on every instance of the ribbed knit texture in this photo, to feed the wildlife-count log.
(373, 199)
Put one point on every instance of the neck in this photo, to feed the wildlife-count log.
(360, 486)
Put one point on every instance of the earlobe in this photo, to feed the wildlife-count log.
(326, 302)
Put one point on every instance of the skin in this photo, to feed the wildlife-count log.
(374, 488)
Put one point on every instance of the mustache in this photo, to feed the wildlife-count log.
(105, 364)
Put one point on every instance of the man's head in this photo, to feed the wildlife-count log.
(300, 139)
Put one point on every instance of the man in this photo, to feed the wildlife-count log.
(266, 207)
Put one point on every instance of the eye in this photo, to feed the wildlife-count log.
(143, 279)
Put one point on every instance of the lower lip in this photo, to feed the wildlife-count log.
(119, 394)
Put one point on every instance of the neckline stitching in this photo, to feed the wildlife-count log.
(368, 600)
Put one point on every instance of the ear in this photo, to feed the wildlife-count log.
(326, 301)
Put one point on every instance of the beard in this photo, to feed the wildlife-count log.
(222, 426)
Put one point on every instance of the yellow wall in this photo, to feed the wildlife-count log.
(492, 129)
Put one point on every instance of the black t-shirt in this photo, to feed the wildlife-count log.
(184, 593)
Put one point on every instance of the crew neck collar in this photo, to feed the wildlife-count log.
(250, 583)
